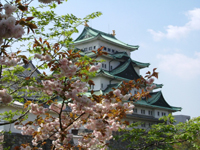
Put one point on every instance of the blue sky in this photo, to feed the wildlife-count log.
(168, 33)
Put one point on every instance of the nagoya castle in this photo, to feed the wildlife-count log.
(118, 67)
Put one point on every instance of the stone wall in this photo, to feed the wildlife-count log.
(11, 140)
(118, 144)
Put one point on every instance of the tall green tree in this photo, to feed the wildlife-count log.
(165, 135)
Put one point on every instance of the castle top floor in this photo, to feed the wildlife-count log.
(92, 39)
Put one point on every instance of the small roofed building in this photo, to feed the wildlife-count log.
(117, 67)
(181, 118)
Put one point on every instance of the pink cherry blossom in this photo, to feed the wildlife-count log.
(95, 68)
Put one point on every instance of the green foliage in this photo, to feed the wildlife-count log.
(164, 135)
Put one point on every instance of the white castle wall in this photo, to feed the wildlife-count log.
(88, 47)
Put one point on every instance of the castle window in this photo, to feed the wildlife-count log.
(142, 111)
(90, 48)
(105, 65)
(113, 50)
(158, 113)
(150, 113)
(85, 49)
(111, 67)
(101, 85)
(163, 114)
(102, 65)
(135, 110)
(109, 49)
(104, 48)
(94, 47)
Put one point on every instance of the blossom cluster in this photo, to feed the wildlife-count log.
(25, 148)
(8, 26)
(36, 109)
(57, 107)
(48, 1)
(81, 103)
(26, 130)
(49, 86)
(5, 97)
(43, 58)
(10, 60)
(117, 92)
(150, 85)
(67, 68)
(95, 68)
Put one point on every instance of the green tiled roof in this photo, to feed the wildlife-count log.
(118, 55)
(89, 33)
(140, 64)
(125, 70)
(157, 100)
(121, 68)
(111, 86)
(101, 71)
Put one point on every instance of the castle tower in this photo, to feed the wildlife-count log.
(118, 67)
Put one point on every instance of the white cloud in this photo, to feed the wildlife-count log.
(180, 65)
(176, 32)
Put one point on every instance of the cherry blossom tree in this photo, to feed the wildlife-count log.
(51, 45)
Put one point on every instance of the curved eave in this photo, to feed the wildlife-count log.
(140, 64)
(106, 74)
(156, 99)
(92, 54)
(120, 55)
(108, 40)
(173, 109)
(158, 86)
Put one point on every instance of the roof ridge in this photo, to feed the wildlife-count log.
(100, 32)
